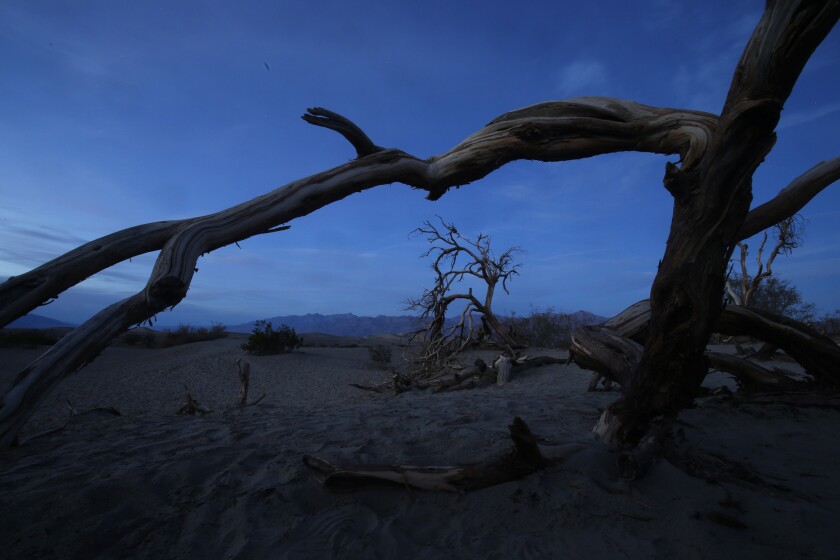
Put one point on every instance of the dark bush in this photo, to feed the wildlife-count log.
(184, 334)
(132, 338)
(542, 329)
(265, 340)
(380, 354)
(26, 337)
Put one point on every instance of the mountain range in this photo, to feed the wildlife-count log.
(348, 324)
(343, 324)
(32, 321)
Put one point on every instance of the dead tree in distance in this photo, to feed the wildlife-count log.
(456, 258)
(711, 185)
(788, 235)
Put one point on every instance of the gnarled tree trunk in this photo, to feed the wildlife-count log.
(711, 199)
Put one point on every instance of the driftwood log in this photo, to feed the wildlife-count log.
(614, 349)
(479, 375)
(525, 458)
(710, 184)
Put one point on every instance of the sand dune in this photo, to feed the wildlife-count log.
(231, 484)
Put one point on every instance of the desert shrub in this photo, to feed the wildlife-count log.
(380, 354)
(265, 340)
(26, 337)
(186, 334)
(778, 296)
(829, 324)
(142, 337)
(545, 329)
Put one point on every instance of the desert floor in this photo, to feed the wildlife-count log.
(231, 484)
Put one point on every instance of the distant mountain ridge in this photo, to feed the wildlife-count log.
(344, 324)
(348, 324)
(32, 321)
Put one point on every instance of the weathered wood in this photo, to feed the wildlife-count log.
(74, 415)
(817, 353)
(711, 201)
(523, 460)
(243, 369)
(750, 374)
(603, 350)
(610, 354)
(633, 322)
(503, 367)
(192, 406)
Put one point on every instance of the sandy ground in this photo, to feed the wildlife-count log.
(231, 484)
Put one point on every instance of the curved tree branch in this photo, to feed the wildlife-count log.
(791, 199)
(344, 126)
(21, 294)
(553, 131)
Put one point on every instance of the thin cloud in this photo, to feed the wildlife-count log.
(801, 117)
(581, 77)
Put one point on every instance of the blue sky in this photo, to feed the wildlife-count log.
(118, 113)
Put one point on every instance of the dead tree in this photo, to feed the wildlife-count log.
(456, 258)
(788, 237)
(711, 186)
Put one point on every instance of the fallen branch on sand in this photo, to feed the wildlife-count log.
(479, 375)
(192, 406)
(523, 460)
(73, 414)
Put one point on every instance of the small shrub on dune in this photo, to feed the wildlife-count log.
(186, 334)
(542, 329)
(266, 340)
(380, 354)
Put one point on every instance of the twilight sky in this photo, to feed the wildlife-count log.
(122, 113)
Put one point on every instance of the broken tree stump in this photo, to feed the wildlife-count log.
(503, 366)
(244, 371)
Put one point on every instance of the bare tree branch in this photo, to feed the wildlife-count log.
(556, 131)
(344, 126)
(792, 198)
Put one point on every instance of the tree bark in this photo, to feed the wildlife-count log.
(711, 201)
(243, 369)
